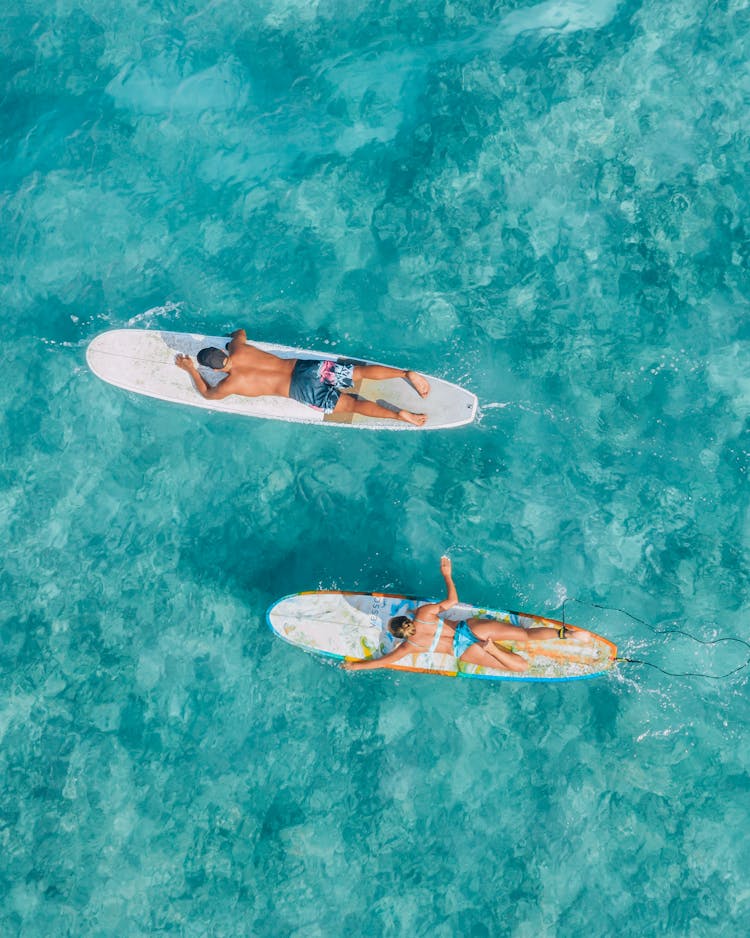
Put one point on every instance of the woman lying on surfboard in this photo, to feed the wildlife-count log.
(317, 383)
(472, 640)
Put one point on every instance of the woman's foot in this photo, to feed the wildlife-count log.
(572, 632)
(508, 660)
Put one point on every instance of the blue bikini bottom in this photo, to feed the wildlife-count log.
(463, 638)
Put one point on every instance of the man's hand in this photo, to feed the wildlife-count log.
(222, 390)
(446, 567)
(185, 362)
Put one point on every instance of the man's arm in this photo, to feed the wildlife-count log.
(211, 394)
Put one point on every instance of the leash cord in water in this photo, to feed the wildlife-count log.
(650, 664)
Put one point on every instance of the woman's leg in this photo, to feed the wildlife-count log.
(488, 655)
(503, 632)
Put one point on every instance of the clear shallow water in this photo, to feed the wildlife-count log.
(544, 202)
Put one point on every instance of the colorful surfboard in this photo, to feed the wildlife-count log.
(143, 361)
(344, 625)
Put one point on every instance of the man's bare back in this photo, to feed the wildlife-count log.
(255, 373)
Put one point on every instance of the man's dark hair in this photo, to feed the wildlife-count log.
(212, 358)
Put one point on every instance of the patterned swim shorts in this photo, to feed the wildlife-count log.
(319, 383)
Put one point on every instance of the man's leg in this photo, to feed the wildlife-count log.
(383, 373)
(352, 405)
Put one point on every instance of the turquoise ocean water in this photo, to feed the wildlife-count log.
(546, 202)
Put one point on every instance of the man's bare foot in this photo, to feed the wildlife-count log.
(420, 384)
(418, 420)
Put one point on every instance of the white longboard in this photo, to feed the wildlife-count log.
(143, 361)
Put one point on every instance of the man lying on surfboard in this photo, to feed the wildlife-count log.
(317, 383)
(472, 641)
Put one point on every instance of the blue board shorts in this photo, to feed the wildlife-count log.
(319, 383)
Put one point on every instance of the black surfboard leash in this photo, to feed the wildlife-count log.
(670, 631)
